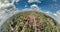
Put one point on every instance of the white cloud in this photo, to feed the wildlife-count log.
(34, 6)
(5, 3)
(17, 0)
(30, 1)
(57, 14)
(6, 10)
(2, 12)
(47, 12)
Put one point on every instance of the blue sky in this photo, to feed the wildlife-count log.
(45, 5)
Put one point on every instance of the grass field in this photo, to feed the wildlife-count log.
(30, 21)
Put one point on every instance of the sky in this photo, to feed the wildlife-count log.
(45, 5)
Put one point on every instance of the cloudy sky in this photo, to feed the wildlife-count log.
(45, 5)
(49, 7)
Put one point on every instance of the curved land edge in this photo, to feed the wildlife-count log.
(33, 11)
(26, 18)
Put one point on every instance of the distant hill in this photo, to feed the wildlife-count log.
(30, 21)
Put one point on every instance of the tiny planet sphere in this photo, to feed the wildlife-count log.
(30, 21)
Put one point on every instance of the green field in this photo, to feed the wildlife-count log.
(30, 21)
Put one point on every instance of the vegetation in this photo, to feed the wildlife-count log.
(31, 21)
